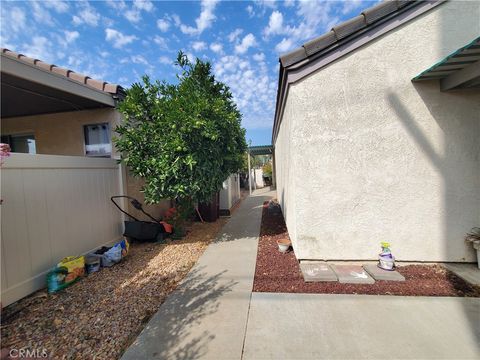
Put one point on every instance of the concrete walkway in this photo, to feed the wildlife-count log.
(214, 315)
(206, 316)
(315, 326)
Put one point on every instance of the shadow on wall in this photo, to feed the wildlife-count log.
(178, 317)
(459, 165)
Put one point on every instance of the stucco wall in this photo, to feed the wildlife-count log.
(364, 155)
(286, 170)
(62, 134)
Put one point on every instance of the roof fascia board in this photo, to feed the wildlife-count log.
(282, 93)
(306, 67)
(28, 72)
(457, 78)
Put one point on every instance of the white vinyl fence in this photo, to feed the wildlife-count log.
(53, 206)
(230, 193)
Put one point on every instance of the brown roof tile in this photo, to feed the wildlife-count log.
(70, 74)
(348, 28)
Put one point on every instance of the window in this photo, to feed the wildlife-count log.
(24, 143)
(97, 140)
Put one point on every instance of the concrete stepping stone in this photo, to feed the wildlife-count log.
(317, 271)
(380, 274)
(352, 274)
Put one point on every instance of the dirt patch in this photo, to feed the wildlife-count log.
(280, 272)
(103, 313)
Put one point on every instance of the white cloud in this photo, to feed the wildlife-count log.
(317, 17)
(144, 5)
(250, 11)
(39, 48)
(275, 24)
(16, 19)
(267, 3)
(40, 14)
(71, 36)
(176, 20)
(253, 89)
(216, 48)
(161, 42)
(349, 6)
(163, 25)
(87, 15)
(165, 60)
(117, 4)
(192, 58)
(204, 21)
(233, 36)
(199, 45)
(247, 42)
(133, 14)
(289, 3)
(139, 59)
(59, 6)
(117, 38)
(285, 45)
(259, 57)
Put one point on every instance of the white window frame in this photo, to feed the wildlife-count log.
(105, 155)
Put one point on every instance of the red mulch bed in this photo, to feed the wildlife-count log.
(280, 272)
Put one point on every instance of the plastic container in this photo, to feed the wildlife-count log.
(283, 245)
(386, 262)
(92, 263)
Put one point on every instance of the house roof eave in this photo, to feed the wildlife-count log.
(296, 66)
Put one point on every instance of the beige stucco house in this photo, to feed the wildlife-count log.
(376, 134)
(50, 110)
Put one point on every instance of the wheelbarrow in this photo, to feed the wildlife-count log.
(138, 230)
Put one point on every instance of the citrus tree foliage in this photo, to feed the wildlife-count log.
(184, 139)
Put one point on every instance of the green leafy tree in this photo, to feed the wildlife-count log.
(184, 139)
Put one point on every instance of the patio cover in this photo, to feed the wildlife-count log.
(32, 87)
(260, 150)
(459, 70)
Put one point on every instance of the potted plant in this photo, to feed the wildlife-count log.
(474, 238)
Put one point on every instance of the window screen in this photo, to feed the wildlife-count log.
(97, 140)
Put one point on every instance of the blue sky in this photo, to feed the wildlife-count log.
(119, 41)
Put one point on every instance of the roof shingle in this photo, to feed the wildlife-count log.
(343, 30)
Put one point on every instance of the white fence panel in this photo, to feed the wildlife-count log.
(53, 206)
(230, 193)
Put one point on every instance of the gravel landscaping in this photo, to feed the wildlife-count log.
(103, 313)
(280, 272)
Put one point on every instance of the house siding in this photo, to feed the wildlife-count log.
(368, 156)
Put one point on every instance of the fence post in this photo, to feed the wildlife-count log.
(122, 187)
